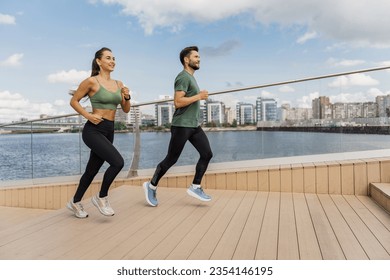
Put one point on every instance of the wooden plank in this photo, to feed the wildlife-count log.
(376, 210)
(385, 170)
(190, 241)
(373, 170)
(297, 178)
(164, 247)
(230, 238)
(334, 172)
(348, 241)
(371, 246)
(246, 247)
(252, 181)
(242, 181)
(267, 248)
(144, 246)
(309, 178)
(322, 179)
(360, 178)
(347, 177)
(288, 241)
(231, 181)
(263, 178)
(2, 197)
(307, 240)
(129, 238)
(209, 241)
(330, 247)
(220, 181)
(372, 222)
(285, 178)
(131, 214)
(274, 179)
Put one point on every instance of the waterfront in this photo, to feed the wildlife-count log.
(23, 156)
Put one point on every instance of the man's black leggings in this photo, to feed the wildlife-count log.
(179, 136)
(99, 139)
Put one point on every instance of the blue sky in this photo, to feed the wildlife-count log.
(47, 47)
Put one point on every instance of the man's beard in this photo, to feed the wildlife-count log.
(193, 66)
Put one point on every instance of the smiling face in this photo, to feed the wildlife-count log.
(106, 62)
(193, 60)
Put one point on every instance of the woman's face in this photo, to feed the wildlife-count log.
(107, 61)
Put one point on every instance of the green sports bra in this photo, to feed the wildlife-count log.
(104, 99)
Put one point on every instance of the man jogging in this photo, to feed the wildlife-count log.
(185, 127)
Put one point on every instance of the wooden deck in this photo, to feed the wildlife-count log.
(239, 225)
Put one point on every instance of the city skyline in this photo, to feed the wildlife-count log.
(49, 45)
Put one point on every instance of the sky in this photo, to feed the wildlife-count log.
(47, 47)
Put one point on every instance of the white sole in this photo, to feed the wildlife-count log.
(145, 187)
(71, 209)
(190, 193)
(94, 202)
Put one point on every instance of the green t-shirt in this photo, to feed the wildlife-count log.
(187, 116)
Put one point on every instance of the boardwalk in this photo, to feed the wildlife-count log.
(236, 225)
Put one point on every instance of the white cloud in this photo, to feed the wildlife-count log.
(345, 62)
(360, 96)
(306, 37)
(70, 77)
(306, 100)
(353, 80)
(13, 60)
(359, 22)
(13, 107)
(286, 89)
(7, 19)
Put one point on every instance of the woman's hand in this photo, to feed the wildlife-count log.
(125, 91)
(95, 118)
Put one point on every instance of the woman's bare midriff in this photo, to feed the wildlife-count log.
(105, 113)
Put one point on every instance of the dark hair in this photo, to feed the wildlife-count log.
(186, 52)
(95, 66)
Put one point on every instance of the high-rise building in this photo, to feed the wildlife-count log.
(383, 103)
(215, 112)
(245, 113)
(134, 114)
(164, 113)
(266, 109)
(321, 108)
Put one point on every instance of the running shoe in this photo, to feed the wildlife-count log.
(150, 194)
(103, 205)
(77, 209)
(198, 193)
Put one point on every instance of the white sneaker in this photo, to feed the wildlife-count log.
(77, 209)
(103, 205)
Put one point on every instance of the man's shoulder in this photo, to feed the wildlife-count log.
(182, 74)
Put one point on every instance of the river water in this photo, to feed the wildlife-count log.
(25, 156)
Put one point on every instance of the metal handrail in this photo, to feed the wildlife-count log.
(136, 151)
(223, 92)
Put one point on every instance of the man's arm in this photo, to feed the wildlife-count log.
(181, 100)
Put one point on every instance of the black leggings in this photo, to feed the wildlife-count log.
(179, 136)
(99, 139)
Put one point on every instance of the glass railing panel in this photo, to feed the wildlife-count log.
(43, 154)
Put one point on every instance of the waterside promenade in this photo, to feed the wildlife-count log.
(299, 208)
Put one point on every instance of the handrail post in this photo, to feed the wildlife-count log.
(133, 171)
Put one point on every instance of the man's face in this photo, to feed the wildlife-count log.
(194, 60)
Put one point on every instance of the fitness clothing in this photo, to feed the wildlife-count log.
(99, 139)
(179, 136)
(185, 127)
(187, 116)
(105, 99)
